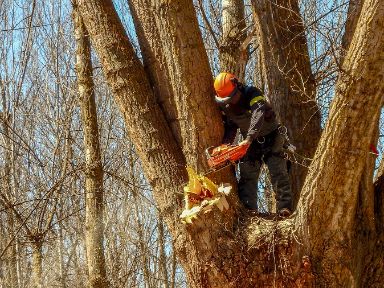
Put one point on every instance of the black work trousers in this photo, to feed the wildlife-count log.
(269, 151)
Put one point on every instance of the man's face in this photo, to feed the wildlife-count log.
(236, 98)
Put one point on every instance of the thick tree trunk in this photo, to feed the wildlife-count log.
(366, 194)
(233, 57)
(336, 230)
(94, 236)
(366, 188)
(191, 79)
(291, 85)
(259, 76)
(148, 34)
(188, 102)
(218, 251)
(162, 159)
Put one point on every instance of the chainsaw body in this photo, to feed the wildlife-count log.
(224, 154)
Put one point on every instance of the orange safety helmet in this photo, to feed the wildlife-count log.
(225, 87)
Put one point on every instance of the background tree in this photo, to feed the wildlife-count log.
(94, 192)
(233, 53)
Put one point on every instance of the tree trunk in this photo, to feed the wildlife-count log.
(148, 34)
(259, 76)
(62, 280)
(336, 233)
(191, 79)
(291, 85)
(37, 264)
(162, 252)
(218, 251)
(354, 10)
(366, 193)
(233, 57)
(94, 236)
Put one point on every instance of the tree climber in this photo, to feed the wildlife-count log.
(245, 107)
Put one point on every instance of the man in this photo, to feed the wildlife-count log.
(245, 108)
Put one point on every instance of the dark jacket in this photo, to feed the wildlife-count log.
(252, 114)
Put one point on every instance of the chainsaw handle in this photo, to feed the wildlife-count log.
(208, 151)
(246, 145)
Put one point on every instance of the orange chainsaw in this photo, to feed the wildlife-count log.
(225, 154)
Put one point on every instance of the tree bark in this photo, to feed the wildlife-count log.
(291, 85)
(191, 79)
(366, 189)
(94, 236)
(354, 10)
(148, 34)
(233, 57)
(366, 193)
(259, 76)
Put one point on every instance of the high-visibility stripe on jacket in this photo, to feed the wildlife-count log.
(256, 99)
